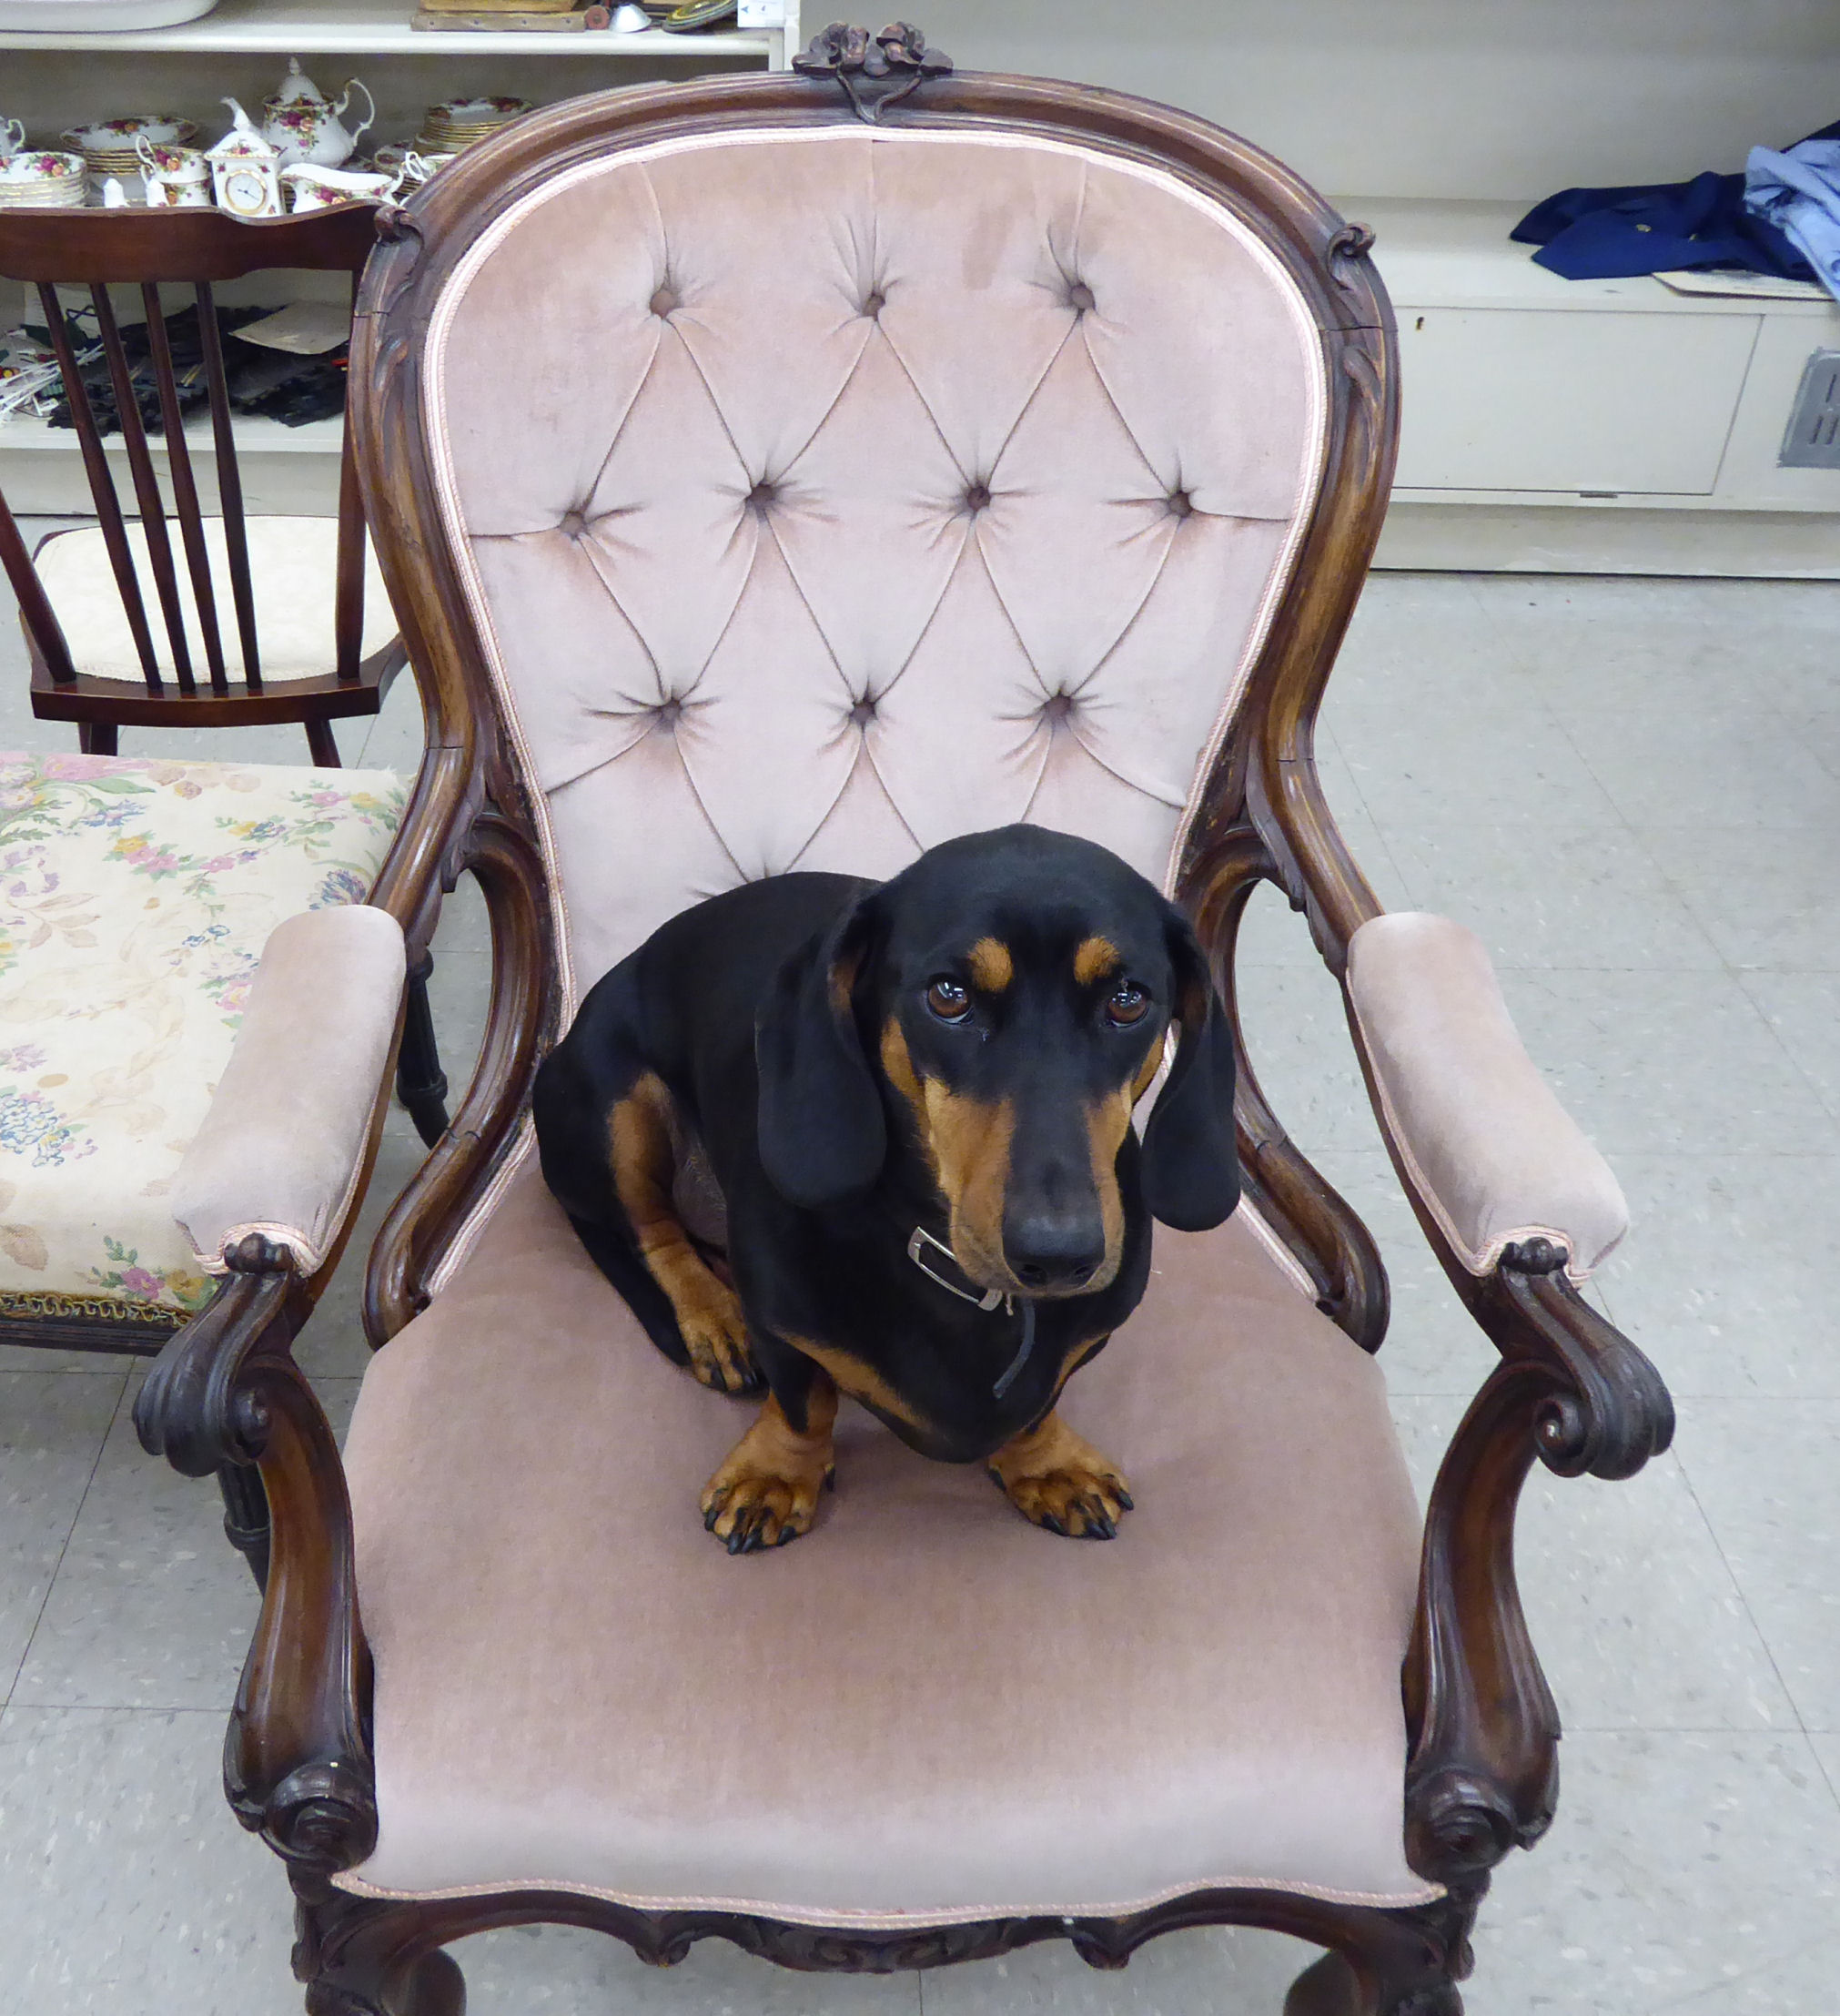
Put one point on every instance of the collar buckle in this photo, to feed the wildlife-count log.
(917, 1252)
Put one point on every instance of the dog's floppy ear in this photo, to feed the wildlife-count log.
(1191, 1165)
(822, 1135)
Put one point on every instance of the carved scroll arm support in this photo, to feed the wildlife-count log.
(227, 1391)
(1571, 1390)
(1329, 1240)
(525, 1007)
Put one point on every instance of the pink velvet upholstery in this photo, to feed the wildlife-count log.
(1492, 1153)
(823, 493)
(720, 420)
(927, 1708)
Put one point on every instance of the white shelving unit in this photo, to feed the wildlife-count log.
(380, 28)
(51, 79)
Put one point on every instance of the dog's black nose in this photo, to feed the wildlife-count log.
(1054, 1249)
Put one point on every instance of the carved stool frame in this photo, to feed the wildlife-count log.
(1569, 1389)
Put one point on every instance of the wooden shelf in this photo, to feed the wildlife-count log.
(381, 27)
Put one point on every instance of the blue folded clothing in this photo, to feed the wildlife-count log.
(1610, 234)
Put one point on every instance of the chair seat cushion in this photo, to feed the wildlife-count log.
(293, 575)
(136, 900)
(926, 1710)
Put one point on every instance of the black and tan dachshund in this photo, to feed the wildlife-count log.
(915, 1099)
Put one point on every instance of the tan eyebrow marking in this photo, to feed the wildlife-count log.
(1092, 959)
(991, 965)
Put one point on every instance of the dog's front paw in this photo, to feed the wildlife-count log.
(1057, 1479)
(766, 1493)
(715, 1333)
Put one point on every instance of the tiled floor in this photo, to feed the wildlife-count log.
(1632, 790)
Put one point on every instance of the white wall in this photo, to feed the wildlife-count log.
(1503, 98)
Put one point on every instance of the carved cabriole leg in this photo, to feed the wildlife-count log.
(1394, 1963)
(359, 1957)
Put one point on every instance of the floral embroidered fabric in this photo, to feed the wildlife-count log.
(135, 897)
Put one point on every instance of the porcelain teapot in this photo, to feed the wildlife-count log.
(301, 124)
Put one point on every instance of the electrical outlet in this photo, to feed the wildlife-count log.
(1812, 439)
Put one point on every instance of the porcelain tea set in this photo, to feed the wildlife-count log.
(295, 157)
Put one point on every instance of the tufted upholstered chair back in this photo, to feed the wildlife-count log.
(820, 491)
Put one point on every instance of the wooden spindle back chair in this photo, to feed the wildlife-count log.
(199, 662)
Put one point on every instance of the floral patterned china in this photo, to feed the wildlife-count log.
(118, 136)
(174, 178)
(458, 123)
(302, 125)
(41, 180)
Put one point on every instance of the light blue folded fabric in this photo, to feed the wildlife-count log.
(1799, 192)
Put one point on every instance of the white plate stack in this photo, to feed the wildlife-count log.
(37, 179)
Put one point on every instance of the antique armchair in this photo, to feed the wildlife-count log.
(170, 614)
(791, 471)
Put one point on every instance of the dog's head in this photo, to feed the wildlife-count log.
(1004, 1001)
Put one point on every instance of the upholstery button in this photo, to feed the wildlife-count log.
(763, 494)
(1079, 297)
(666, 299)
(874, 305)
(977, 496)
(668, 712)
(1180, 504)
(863, 713)
(1057, 707)
(573, 523)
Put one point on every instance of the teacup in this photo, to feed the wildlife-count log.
(174, 178)
(11, 137)
(417, 169)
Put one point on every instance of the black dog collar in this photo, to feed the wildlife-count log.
(922, 1246)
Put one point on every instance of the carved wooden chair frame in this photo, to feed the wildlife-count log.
(1569, 1389)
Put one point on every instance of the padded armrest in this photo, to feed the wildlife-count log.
(282, 1147)
(1492, 1153)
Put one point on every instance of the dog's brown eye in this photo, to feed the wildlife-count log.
(1127, 1005)
(948, 1000)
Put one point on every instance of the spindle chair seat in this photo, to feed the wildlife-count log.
(294, 563)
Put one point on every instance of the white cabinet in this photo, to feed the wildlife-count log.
(1589, 425)
(1528, 399)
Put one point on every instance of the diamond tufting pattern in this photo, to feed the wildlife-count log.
(830, 493)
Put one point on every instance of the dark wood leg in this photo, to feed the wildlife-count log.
(431, 1986)
(246, 1516)
(1393, 1963)
(420, 1083)
(97, 738)
(325, 750)
(360, 1958)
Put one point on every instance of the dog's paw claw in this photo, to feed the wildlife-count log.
(750, 1509)
(1066, 1487)
(716, 1340)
